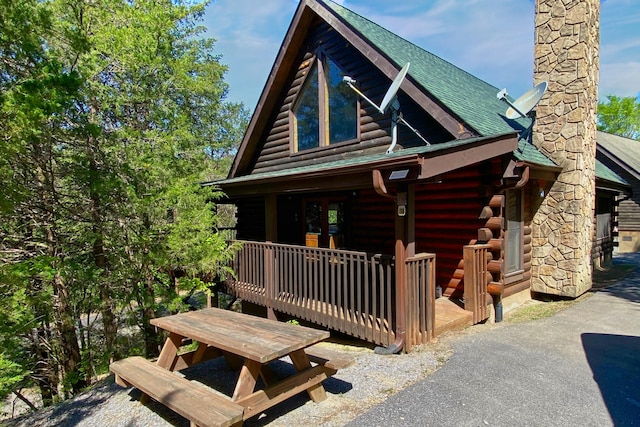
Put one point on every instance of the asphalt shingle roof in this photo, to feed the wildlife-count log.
(472, 99)
(353, 161)
(603, 172)
(626, 150)
(467, 96)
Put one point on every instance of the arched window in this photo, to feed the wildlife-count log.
(326, 111)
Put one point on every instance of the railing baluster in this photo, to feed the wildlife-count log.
(346, 290)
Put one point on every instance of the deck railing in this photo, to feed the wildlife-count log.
(476, 279)
(421, 299)
(348, 291)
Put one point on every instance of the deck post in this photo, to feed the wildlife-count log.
(476, 279)
(271, 234)
(401, 272)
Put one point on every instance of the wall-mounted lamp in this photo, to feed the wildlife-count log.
(401, 201)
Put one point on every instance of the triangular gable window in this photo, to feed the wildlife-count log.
(326, 111)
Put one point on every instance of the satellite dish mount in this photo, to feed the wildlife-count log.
(390, 101)
(524, 105)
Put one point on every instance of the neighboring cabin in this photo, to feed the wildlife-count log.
(622, 156)
(340, 233)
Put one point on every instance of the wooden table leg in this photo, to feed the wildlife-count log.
(169, 354)
(268, 376)
(247, 379)
(301, 362)
(199, 354)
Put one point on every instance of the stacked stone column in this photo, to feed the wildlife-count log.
(566, 56)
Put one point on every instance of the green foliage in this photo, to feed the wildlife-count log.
(11, 374)
(111, 113)
(620, 116)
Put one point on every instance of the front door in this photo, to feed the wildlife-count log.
(324, 223)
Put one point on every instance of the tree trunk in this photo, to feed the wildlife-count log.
(65, 325)
(45, 371)
(68, 348)
(152, 339)
(108, 306)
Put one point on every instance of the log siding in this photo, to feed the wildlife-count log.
(276, 151)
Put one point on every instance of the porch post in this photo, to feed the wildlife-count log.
(402, 211)
(271, 236)
(411, 220)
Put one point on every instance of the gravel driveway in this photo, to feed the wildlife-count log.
(352, 391)
(374, 379)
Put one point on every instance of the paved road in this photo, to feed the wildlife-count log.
(580, 367)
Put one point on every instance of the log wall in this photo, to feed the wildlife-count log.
(275, 152)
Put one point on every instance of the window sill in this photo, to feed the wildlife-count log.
(324, 147)
(515, 276)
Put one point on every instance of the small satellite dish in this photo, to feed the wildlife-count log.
(393, 89)
(525, 103)
(389, 100)
(391, 92)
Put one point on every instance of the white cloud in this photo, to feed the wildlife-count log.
(249, 34)
(492, 40)
(620, 79)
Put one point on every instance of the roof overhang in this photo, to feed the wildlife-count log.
(618, 161)
(411, 165)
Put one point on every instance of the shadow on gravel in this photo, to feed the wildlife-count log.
(615, 363)
(217, 375)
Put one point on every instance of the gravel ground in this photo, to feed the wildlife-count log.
(352, 391)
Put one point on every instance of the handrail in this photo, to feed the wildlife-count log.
(349, 291)
(476, 279)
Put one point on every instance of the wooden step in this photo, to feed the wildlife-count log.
(198, 404)
(450, 316)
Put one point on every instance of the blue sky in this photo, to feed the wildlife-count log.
(492, 39)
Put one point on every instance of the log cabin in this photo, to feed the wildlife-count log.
(390, 226)
(622, 156)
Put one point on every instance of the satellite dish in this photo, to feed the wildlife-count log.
(525, 103)
(389, 100)
(393, 89)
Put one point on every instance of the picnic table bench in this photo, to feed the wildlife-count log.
(248, 343)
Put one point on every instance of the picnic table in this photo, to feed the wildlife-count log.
(248, 343)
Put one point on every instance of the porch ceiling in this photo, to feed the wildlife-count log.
(356, 171)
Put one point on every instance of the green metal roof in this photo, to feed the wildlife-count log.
(468, 97)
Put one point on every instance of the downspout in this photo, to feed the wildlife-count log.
(400, 275)
(524, 178)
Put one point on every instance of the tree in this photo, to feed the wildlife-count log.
(620, 116)
(36, 90)
(112, 114)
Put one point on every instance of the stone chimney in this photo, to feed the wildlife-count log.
(567, 38)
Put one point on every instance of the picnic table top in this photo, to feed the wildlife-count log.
(252, 337)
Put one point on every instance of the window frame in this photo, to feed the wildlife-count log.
(517, 273)
(320, 61)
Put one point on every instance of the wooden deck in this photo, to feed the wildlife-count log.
(356, 293)
(450, 316)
